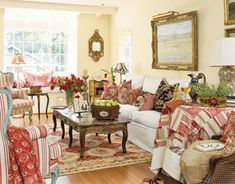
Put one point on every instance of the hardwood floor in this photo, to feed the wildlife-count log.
(132, 174)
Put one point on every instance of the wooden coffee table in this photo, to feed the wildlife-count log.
(87, 124)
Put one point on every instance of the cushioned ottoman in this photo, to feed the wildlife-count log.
(195, 164)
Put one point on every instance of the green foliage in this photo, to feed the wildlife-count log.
(204, 90)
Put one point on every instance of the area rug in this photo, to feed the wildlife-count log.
(99, 153)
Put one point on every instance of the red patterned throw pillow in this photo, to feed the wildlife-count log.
(164, 93)
(39, 79)
(148, 103)
(145, 101)
(229, 135)
(127, 96)
(110, 92)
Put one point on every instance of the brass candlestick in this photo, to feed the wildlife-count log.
(85, 89)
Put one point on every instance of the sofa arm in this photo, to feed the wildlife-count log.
(21, 93)
(37, 132)
(173, 104)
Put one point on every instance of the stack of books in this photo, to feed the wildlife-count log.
(230, 103)
(209, 147)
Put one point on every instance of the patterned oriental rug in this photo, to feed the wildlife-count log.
(99, 153)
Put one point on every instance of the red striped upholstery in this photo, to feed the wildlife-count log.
(46, 154)
(55, 150)
(37, 132)
(21, 103)
(4, 144)
(42, 151)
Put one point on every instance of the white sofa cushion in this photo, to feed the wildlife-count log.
(147, 118)
(126, 110)
(137, 81)
(151, 84)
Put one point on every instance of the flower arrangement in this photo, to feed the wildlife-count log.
(71, 85)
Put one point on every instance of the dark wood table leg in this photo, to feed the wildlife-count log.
(62, 127)
(82, 136)
(70, 136)
(47, 105)
(109, 138)
(124, 139)
(38, 97)
(54, 121)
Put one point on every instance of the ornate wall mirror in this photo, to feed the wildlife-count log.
(96, 46)
(174, 41)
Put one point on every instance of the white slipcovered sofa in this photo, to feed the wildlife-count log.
(142, 129)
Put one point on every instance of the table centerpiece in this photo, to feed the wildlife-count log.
(71, 85)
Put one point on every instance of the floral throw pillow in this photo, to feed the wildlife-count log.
(164, 93)
(143, 101)
(110, 92)
(127, 95)
(229, 135)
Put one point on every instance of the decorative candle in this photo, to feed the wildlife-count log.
(84, 72)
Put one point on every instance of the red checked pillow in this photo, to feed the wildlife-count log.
(229, 135)
(110, 92)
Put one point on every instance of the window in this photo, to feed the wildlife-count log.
(125, 48)
(45, 38)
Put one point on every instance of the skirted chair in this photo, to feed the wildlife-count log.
(26, 156)
(21, 102)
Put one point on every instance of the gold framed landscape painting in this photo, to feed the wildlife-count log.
(229, 12)
(174, 42)
(230, 32)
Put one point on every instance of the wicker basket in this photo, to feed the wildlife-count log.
(213, 102)
(104, 112)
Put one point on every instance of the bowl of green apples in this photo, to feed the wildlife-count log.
(105, 109)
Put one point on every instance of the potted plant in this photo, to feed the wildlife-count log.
(211, 95)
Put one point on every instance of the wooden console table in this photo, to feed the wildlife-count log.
(38, 95)
(87, 124)
(95, 89)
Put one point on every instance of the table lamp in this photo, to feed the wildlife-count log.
(121, 69)
(223, 55)
(18, 59)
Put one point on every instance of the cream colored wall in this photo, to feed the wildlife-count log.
(87, 23)
(136, 16)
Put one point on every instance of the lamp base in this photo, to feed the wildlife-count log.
(227, 75)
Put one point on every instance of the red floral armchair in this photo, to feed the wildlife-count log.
(26, 156)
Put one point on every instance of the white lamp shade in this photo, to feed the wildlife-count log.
(223, 52)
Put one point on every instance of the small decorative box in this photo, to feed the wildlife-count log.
(35, 89)
(104, 112)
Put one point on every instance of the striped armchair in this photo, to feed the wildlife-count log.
(45, 154)
(21, 103)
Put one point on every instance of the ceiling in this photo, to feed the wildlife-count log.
(107, 3)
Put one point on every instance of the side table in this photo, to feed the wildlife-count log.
(38, 95)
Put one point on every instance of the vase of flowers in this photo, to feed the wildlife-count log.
(70, 85)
